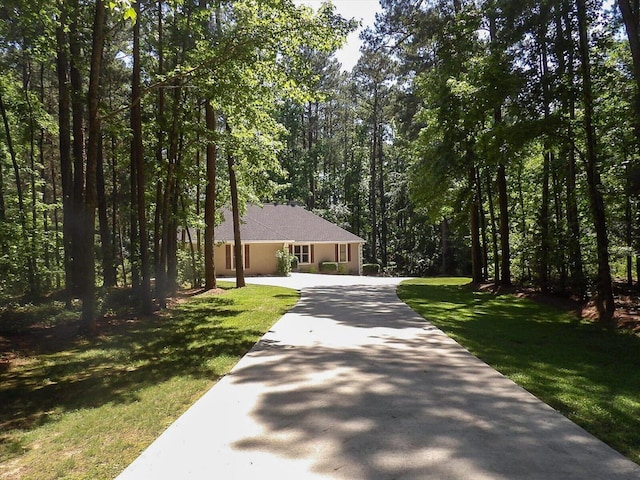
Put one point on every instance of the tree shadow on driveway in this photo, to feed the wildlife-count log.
(361, 387)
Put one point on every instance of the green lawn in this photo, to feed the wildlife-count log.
(86, 409)
(589, 374)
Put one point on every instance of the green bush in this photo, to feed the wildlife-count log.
(370, 269)
(284, 261)
(294, 263)
(328, 267)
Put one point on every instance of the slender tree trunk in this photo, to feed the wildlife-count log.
(93, 147)
(526, 273)
(444, 230)
(137, 159)
(16, 172)
(503, 200)
(47, 281)
(64, 139)
(604, 300)
(383, 203)
(210, 200)
(56, 222)
(32, 247)
(543, 269)
(78, 151)
(108, 260)
(159, 250)
(574, 253)
(3, 210)
(503, 197)
(474, 216)
(114, 213)
(494, 234)
(163, 281)
(483, 226)
(560, 254)
(372, 184)
(235, 213)
(628, 223)
(134, 234)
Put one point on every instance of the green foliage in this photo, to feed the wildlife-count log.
(371, 269)
(284, 261)
(329, 267)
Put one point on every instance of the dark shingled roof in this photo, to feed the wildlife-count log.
(283, 223)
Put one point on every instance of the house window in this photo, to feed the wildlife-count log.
(343, 256)
(302, 253)
(231, 260)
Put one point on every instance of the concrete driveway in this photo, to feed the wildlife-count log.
(352, 384)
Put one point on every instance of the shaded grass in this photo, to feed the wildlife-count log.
(590, 374)
(88, 408)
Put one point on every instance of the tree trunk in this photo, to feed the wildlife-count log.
(114, 209)
(543, 268)
(474, 216)
(32, 248)
(108, 260)
(444, 229)
(604, 300)
(45, 214)
(93, 147)
(64, 139)
(628, 223)
(210, 200)
(21, 207)
(383, 203)
(494, 235)
(372, 184)
(137, 159)
(160, 121)
(163, 280)
(235, 213)
(574, 253)
(56, 221)
(503, 200)
(483, 226)
(78, 151)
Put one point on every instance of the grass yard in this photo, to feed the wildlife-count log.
(589, 374)
(85, 409)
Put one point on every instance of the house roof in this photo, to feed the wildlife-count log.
(283, 223)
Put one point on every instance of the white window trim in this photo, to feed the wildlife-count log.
(346, 252)
(233, 256)
(300, 246)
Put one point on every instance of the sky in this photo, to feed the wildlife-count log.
(364, 10)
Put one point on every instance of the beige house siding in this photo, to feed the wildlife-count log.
(262, 258)
(326, 252)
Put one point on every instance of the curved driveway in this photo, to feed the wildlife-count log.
(352, 384)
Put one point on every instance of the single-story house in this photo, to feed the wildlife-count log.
(266, 229)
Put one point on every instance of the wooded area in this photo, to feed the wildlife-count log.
(495, 138)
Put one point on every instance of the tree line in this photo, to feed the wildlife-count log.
(491, 138)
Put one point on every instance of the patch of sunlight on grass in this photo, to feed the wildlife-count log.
(89, 410)
(588, 373)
